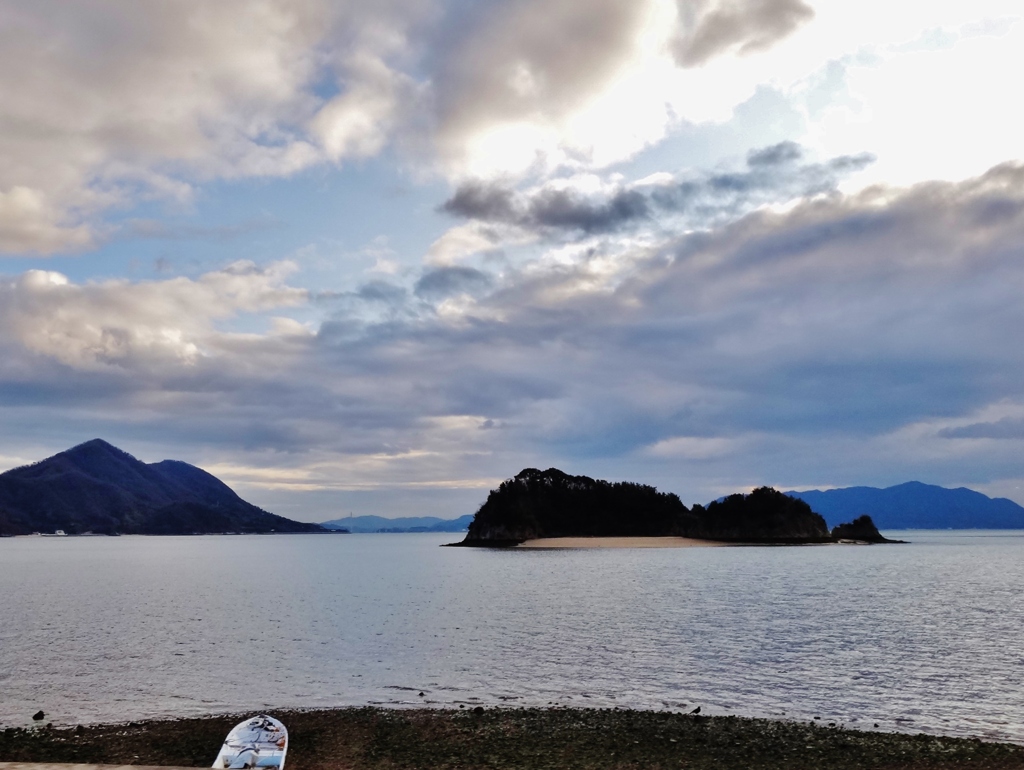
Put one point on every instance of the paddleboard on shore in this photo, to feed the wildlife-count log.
(258, 742)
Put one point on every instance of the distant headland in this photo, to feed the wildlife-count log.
(97, 488)
(914, 505)
(403, 524)
(540, 505)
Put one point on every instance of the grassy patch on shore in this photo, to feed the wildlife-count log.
(513, 739)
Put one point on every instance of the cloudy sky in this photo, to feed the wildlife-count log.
(361, 257)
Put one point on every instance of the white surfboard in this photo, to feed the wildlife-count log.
(258, 742)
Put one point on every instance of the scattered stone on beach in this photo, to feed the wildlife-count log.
(39, 715)
(518, 739)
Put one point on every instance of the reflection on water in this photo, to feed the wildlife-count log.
(922, 637)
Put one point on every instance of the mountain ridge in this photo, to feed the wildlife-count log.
(915, 505)
(97, 487)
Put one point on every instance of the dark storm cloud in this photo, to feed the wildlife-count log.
(482, 200)
(710, 27)
(1006, 428)
(564, 210)
(773, 174)
(382, 291)
(444, 281)
(777, 154)
(550, 208)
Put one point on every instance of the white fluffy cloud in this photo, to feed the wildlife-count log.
(30, 222)
(102, 100)
(107, 102)
(137, 326)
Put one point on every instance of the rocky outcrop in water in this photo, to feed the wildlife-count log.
(862, 530)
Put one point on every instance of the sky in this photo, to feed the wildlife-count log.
(374, 258)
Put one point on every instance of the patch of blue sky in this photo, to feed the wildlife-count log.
(334, 222)
(766, 118)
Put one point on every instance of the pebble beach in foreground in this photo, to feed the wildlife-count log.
(504, 739)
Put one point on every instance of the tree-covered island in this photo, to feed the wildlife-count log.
(551, 504)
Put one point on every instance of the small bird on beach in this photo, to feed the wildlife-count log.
(696, 710)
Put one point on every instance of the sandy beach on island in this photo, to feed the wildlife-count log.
(618, 542)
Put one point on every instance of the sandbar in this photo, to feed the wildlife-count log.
(618, 542)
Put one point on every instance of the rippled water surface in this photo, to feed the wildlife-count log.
(921, 637)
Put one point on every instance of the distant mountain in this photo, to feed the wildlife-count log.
(915, 506)
(96, 487)
(408, 524)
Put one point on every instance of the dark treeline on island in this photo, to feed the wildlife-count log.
(546, 504)
(98, 488)
(553, 504)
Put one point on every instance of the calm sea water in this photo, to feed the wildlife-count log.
(925, 637)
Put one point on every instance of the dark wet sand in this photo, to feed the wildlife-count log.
(533, 739)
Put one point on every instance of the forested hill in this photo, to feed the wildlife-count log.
(96, 487)
(541, 504)
(916, 506)
(554, 504)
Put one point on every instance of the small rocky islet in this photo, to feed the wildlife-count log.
(551, 504)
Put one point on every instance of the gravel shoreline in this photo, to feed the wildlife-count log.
(516, 739)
